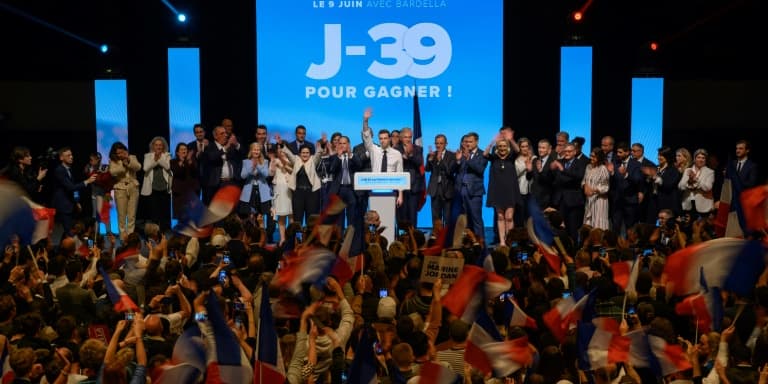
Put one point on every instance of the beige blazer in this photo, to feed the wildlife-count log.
(309, 166)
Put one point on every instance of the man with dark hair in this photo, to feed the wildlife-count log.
(301, 136)
(75, 300)
(66, 192)
(469, 171)
(454, 356)
(197, 146)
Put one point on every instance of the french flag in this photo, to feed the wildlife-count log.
(199, 219)
(729, 263)
(227, 362)
(417, 139)
(603, 343)
(667, 358)
(487, 352)
(268, 367)
(730, 216)
(434, 373)
(518, 318)
(16, 215)
(44, 218)
(625, 274)
(566, 312)
(326, 223)
(125, 254)
(188, 361)
(705, 307)
(754, 203)
(542, 236)
(309, 265)
(467, 293)
(117, 296)
(363, 367)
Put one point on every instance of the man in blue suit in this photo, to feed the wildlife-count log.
(470, 188)
(66, 192)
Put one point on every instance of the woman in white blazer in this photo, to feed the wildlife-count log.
(696, 185)
(156, 187)
(304, 181)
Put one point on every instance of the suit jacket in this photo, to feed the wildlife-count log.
(255, 177)
(441, 170)
(354, 163)
(541, 182)
(470, 173)
(64, 187)
(310, 167)
(625, 188)
(700, 191)
(567, 184)
(192, 147)
(413, 165)
(667, 193)
(149, 164)
(294, 147)
(77, 301)
(748, 176)
(211, 162)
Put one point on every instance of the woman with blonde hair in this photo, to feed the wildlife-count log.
(256, 196)
(156, 187)
(683, 159)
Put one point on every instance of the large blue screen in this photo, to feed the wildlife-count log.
(321, 63)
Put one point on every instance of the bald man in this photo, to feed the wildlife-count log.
(154, 341)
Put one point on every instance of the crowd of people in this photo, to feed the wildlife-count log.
(60, 321)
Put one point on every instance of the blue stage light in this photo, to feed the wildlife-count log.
(104, 48)
(182, 17)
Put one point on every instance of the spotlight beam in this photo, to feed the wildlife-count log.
(170, 6)
(48, 25)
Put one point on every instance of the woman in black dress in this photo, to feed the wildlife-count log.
(185, 188)
(503, 187)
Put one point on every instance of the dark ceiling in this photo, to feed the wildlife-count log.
(716, 39)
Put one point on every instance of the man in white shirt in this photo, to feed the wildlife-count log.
(383, 157)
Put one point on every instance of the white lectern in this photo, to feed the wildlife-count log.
(383, 199)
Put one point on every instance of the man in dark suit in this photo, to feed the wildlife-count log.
(301, 136)
(441, 188)
(343, 165)
(568, 196)
(75, 300)
(261, 138)
(197, 146)
(646, 214)
(66, 193)
(470, 188)
(234, 139)
(541, 175)
(626, 187)
(220, 163)
(413, 163)
(746, 171)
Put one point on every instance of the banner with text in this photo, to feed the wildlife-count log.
(438, 267)
(320, 63)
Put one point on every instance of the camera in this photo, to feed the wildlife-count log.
(299, 237)
(401, 232)
(129, 316)
(50, 156)
(201, 316)
(222, 276)
(166, 300)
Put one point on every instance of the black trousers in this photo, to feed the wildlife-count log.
(305, 203)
